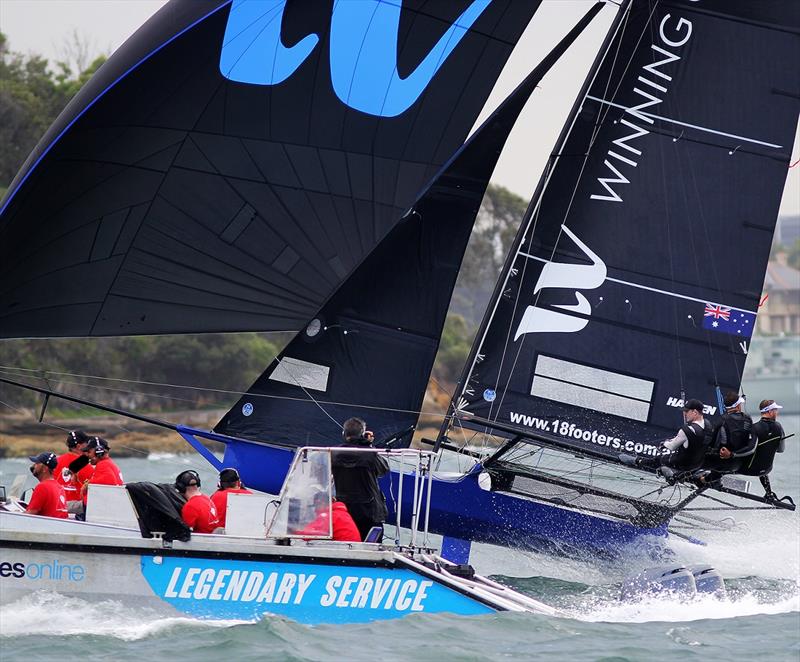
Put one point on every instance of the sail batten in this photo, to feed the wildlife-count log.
(641, 259)
(371, 348)
(200, 185)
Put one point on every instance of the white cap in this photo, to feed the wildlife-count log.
(740, 401)
(770, 407)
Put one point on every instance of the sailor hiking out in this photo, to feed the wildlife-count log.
(732, 441)
(768, 438)
(686, 450)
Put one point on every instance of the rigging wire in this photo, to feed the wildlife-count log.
(532, 229)
(420, 412)
(24, 412)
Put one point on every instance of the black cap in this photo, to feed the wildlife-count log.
(76, 438)
(228, 476)
(99, 445)
(694, 404)
(48, 459)
(186, 479)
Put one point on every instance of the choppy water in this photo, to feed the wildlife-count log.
(759, 558)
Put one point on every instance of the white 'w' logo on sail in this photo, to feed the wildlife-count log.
(554, 274)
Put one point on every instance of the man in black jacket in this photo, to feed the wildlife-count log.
(768, 439)
(732, 441)
(355, 476)
(686, 449)
(689, 445)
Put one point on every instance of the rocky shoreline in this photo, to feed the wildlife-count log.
(22, 436)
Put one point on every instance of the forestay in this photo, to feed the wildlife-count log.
(636, 276)
(369, 351)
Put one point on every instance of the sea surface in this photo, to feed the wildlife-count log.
(758, 555)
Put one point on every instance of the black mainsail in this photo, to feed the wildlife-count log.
(369, 351)
(635, 279)
(234, 160)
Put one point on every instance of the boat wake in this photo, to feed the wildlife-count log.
(671, 608)
(29, 616)
(748, 596)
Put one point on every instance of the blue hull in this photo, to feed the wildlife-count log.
(462, 509)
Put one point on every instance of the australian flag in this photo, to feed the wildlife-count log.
(728, 320)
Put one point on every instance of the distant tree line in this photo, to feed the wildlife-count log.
(32, 94)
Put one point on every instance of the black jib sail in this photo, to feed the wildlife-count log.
(635, 279)
(234, 160)
(370, 349)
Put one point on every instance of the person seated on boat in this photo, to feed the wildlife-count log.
(355, 476)
(48, 498)
(229, 483)
(335, 521)
(199, 512)
(768, 439)
(732, 441)
(70, 480)
(688, 447)
(106, 472)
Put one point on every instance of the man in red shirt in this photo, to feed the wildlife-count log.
(106, 472)
(48, 499)
(199, 511)
(229, 483)
(73, 481)
(343, 526)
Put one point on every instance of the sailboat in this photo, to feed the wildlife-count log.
(652, 221)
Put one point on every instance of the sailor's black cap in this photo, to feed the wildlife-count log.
(48, 459)
(695, 404)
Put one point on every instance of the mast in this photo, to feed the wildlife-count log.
(369, 351)
(530, 212)
(645, 249)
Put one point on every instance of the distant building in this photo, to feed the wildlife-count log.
(787, 232)
(780, 313)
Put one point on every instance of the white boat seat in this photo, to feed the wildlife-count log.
(111, 504)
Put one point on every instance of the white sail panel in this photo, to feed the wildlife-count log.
(297, 372)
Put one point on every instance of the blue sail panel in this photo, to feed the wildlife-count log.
(177, 194)
(369, 350)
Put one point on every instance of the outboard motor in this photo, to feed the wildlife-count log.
(673, 579)
(708, 581)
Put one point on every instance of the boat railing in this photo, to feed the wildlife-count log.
(304, 507)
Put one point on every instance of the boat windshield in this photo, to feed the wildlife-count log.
(304, 507)
(304, 510)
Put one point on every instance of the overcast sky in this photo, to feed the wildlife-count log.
(41, 26)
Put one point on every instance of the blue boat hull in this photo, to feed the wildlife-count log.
(461, 509)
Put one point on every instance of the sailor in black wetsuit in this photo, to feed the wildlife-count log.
(732, 441)
(355, 476)
(689, 445)
(687, 449)
(768, 439)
